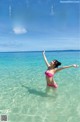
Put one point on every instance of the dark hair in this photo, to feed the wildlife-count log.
(57, 63)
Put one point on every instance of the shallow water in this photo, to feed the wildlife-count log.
(24, 95)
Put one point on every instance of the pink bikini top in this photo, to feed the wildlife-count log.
(48, 74)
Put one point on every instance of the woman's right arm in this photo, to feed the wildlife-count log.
(45, 59)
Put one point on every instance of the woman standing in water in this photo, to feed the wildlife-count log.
(52, 69)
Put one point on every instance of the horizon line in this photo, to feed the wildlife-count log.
(39, 51)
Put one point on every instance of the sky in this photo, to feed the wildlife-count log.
(34, 25)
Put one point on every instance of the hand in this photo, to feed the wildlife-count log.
(74, 65)
(44, 52)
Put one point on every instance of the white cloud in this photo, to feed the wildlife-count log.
(52, 11)
(10, 10)
(19, 30)
(69, 1)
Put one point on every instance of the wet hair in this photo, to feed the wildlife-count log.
(57, 63)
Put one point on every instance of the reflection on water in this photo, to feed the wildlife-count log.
(49, 91)
(34, 91)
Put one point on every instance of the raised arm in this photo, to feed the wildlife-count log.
(64, 67)
(45, 59)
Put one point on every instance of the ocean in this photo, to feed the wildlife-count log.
(24, 96)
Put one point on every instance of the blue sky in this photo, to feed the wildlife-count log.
(29, 25)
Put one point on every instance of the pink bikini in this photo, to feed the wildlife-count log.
(50, 84)
(48, 74)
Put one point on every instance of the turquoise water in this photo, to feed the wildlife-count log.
(24, 96)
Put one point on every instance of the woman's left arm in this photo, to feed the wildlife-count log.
(64, 67)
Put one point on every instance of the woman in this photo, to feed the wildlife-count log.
(52, 68)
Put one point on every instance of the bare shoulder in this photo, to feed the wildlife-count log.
(56, 70)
